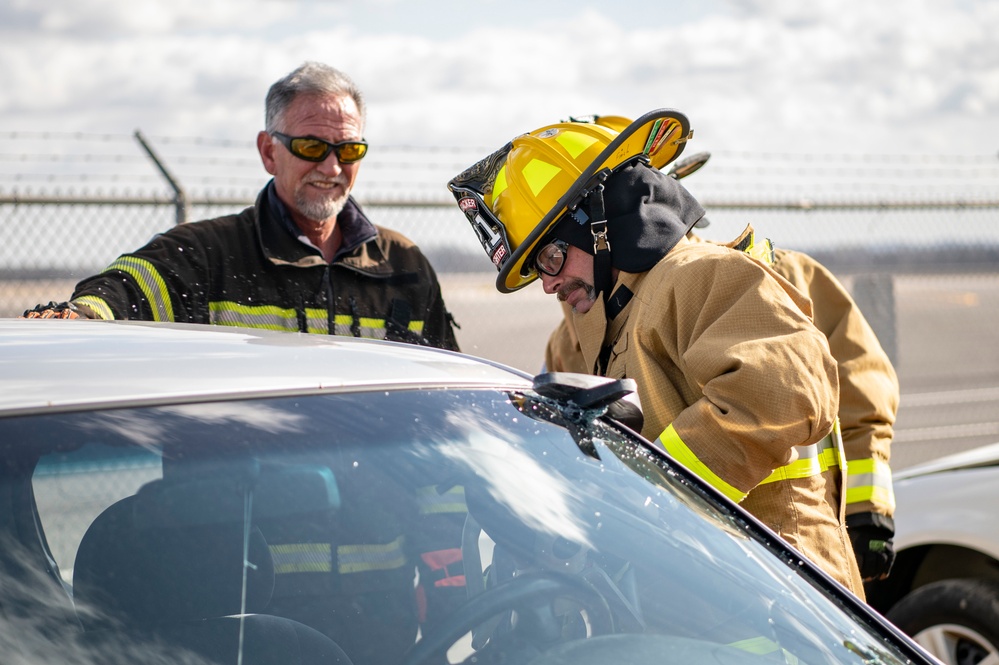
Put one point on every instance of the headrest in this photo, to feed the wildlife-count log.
(174, 551)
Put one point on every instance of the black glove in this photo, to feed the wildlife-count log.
(54, 310)
(871, 535)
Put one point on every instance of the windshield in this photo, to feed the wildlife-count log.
(409, 527)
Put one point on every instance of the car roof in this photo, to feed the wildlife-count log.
(987, 455)
(51, 365)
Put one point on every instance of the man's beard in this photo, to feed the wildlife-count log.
(568, 288)
(322, 208)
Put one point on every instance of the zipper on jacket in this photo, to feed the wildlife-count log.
(355, 320)
(302, 314)
(330, 302)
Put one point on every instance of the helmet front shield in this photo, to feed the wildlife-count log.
(469, 188)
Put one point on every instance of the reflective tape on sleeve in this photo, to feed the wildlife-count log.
(97, 305)
(366, 558)
(267, 317)
(150, 282)
(813, 460)
(677, 449)
(869, 480)
(301, 558)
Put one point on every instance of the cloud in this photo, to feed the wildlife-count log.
(99, 19)
(894, 76)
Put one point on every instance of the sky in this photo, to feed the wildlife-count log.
(916, 77)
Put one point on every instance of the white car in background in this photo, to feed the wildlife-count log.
(944, 586)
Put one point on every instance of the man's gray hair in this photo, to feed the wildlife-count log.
(309, 78)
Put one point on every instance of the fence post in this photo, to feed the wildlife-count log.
(179, 196)
(874, 294)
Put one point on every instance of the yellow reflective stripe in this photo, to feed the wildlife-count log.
(876, 495)
(760, 646)
(301, 558)
(808, 464)
(433, 503)
(269, 317)
(367, 558)
(97, 305)
(813, 460)
(315, 321)
(373, 328)
(675, 446)
(537, 174)
(869, 480)
(575, 143)
(150, 283)
(342, 324)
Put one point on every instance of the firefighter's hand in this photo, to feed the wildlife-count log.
(53, 310)
(871, 535)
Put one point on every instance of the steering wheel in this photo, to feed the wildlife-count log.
(527, 594)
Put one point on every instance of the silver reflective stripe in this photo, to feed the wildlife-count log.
(268, 317)
(870, 480)
(315, 321)
(813, 459)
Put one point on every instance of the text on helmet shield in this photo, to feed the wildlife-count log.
(498, 255)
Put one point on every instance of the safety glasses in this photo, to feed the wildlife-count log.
(312, 149)
(551, 257)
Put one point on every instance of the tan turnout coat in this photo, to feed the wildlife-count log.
(724, 350)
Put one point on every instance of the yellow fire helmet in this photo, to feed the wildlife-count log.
(513, 197)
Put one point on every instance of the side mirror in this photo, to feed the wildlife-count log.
(618, 396)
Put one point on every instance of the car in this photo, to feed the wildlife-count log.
(944, 586)
(206, 494)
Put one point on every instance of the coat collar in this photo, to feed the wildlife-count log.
(594, 330)
(279, 239)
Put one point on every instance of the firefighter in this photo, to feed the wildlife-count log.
(869, 390)
(735, 380)
(868, 397)
(304, 258)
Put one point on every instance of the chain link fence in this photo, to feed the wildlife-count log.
(915, 238)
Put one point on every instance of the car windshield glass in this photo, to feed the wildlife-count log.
(410, 526)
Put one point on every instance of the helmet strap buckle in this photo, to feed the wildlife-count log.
(600, 241)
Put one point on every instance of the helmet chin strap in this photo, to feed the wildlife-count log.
(601, 243)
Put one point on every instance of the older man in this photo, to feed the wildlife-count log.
(303, 258)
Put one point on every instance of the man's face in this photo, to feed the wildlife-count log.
(313, 191)
(574, 283)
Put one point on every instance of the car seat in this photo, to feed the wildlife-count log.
(165, 567)
(347, 571)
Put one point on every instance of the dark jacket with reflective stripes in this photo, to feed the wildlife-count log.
(249, 270)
